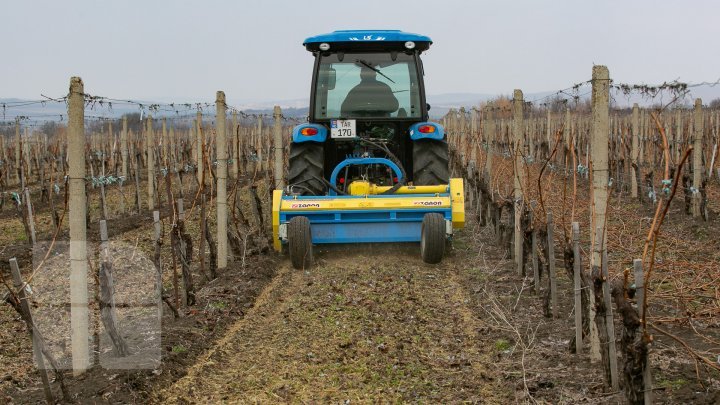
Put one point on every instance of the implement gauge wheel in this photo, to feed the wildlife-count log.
(432, 239)
(300, 243)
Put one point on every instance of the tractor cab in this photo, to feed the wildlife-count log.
(369, 165)
(368, 75)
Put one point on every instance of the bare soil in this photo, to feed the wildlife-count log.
(369, 323)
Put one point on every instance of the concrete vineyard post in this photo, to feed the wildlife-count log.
(124, 148)
(5, 162)
(150, 139)
(677, 138)
(519, 177)
(76, 205)
(18, 160)
(461, 137)
(200, 146)
(599, 150)
(567, 136)
(221, 145)
(259, 146)
(192, 141)
(634, 152)
(165, 142)
(278, 146)
(473, 140)
(697, 157)
(235, 150)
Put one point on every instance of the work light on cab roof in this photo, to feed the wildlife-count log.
(369, 165)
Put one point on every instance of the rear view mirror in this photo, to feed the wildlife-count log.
(329, 75)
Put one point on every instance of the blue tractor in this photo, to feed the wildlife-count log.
(369, 166)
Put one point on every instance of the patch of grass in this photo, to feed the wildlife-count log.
(502, 345)
(179, 349)
(478, 273)
(672, 384)
(219, 305)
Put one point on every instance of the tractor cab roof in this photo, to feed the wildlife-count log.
(367, 40)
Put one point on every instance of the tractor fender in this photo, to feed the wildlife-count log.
(438, 132)
(319, 136)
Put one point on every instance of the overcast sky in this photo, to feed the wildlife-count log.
(186, 50)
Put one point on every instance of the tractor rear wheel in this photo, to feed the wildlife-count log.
(300, 243)
(430, 162)
(306, 168)
(432, 238)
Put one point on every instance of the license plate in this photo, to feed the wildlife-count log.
(342, 129)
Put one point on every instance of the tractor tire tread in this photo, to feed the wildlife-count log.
(432, 244)
(300, 243)
(430, 162)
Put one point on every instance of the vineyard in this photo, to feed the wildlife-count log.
(136, 260)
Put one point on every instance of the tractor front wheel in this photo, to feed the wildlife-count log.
(432, 238)
(300, 243)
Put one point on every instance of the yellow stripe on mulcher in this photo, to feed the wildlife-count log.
(365, 203)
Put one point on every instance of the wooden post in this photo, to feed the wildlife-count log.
(278, 145)
(107, 295)
(548, 135)
(611, 350)
(138, 203)
(640, 294)
(221, 146)
(259, 146)
(518, 145)
(165, 142)
(551, 264)
(203, 230)
(697, 157)
(577, 285)
(76, 205)
(37, 344)
(31, 221)
(535, 264)
(150, 139)
(489, 138)
(635, 151)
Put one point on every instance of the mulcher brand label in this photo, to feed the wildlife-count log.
(428, 203)
(305, 205)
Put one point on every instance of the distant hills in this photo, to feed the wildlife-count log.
(440, 105)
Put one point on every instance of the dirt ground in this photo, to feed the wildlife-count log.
(368, 323)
